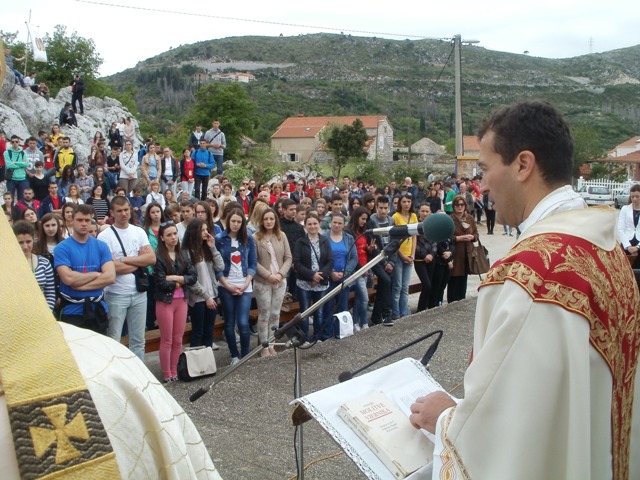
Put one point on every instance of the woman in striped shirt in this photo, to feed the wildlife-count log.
(100, 205)
(40, 266)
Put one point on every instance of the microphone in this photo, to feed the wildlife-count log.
(435, 228)
(344, 376)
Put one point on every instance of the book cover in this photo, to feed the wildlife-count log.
(383, 426)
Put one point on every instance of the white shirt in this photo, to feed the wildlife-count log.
(563, 198)
(133, 238)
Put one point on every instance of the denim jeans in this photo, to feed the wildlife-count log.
(360, 302)
(19, 77)
(202, 320)
(219, 159)
(305, 297)
(133, 309)
(187, 187)
(166, 187)
(400, 289)
(339, 303)
(20, 186)
(235, 311)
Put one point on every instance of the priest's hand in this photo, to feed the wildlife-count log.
(426, 410)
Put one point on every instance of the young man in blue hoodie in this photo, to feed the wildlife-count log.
(204, 161)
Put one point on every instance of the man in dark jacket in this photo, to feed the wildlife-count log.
(52, 202)
(293, 231)
(77, 91)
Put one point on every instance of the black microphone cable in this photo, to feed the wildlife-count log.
(344, 376)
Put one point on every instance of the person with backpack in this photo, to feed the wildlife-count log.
(16, 162)
(204, 161)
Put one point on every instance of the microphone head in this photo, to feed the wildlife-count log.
(344, 376)
(438, 227)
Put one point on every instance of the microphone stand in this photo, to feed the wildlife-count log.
(292, 330)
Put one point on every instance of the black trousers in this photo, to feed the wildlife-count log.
(457, 288)
(491, 220)
(382, 304)
(200, 187)
(439, 281)
(424, 271)
(77, 97)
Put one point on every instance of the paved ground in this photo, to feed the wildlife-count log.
(245, 420)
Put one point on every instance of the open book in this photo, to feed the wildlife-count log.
(402, 382)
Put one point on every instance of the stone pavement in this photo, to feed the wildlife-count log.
(245, 420)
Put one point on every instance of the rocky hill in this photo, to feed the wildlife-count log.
(410, 81)
(24, 113)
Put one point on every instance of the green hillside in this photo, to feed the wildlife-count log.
(410, 81)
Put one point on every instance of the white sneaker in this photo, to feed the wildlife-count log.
(356, 328)
(215, 346)
(234, 361)
(365, 326)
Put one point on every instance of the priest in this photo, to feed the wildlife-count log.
(552, 388)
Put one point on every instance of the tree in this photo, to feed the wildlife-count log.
(347, 144)
(586, 146)
(66, 54)
(231, 105)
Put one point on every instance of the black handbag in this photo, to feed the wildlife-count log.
(142, 279)
(141, 273)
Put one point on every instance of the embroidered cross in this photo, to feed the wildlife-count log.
(61, 433)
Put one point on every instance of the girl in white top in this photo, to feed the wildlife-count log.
(155, 195)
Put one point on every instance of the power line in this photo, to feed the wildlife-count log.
(267, 22)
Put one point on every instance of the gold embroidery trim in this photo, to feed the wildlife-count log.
(617, 344)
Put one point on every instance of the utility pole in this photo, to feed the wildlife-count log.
(457, 44)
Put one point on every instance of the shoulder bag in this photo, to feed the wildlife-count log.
(196, 362)
(141, 273)
(479, 259)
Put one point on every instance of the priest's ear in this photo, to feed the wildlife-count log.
(525, 166)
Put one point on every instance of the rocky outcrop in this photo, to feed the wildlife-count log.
(24, 113)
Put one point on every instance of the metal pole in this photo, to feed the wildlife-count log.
(457, 42)
(297, 388)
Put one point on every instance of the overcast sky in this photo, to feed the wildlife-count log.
(123, 37)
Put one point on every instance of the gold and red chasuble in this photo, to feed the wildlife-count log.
(599, 285)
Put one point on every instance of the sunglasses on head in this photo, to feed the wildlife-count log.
(169, 223)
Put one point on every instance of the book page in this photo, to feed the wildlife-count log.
(406, 378)
(406, 395)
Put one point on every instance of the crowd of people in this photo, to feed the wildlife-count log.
(207, 245)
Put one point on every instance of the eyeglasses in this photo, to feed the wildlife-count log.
(242, 190)
(170, 223)
(245, 183)
(460, 204)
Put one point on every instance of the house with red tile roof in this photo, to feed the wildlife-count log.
(628, 154)
(299, 139)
